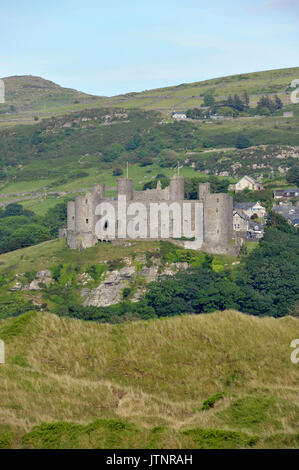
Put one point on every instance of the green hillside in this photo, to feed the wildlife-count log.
(26, 96)
(65, 146)
(223, 380)
(31, 95)
(188, 95)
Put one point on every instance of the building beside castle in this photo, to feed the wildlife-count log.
(153, 214)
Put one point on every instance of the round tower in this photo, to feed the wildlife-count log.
(218, 219)
(84, 213)
(176, 188)
(71, 215)
(125, 188)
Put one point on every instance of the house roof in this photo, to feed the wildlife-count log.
(250, 178)
(281, 192)
(245, 205)
(257, 227)
(240, 214)
(284, 209)
(290, 213)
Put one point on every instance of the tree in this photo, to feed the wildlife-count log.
(278, 102)
(112, 152)
(243, 142)
(13, 209)
(238, 103)
(146, 161)
(55, 218)
(118, 171)
(267, 106)
(269, 275)
(246, 99)
(209, 100)
(292, 175)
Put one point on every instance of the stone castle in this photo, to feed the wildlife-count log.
(211, 216)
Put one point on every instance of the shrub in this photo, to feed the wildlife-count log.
(210, 402)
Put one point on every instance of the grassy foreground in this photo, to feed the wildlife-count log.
(221, 380)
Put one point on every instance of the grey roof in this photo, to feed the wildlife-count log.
(257, 227)
(286, 190)
(289, 212)
(245, 205)
(240, 214)
(285, 210)
(251, 178)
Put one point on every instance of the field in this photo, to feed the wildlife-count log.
(183, 382)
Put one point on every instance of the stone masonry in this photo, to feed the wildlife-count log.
(211, 214)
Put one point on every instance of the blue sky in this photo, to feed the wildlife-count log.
(117, 46)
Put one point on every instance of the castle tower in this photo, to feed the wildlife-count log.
(218, 223)
(203, 190)
(71, 216)
(125, 188)
(84, 216)
(176, 188)
(99, 190)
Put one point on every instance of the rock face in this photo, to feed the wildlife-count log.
(42, 277)
(109, 292)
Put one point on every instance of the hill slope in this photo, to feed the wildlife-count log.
(27, 96)
(30, 95)
(189, 95)
(143, 384)
(67, 152)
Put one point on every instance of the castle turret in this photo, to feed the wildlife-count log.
(176, 188)
(84, 216)
(99, 190)
(71, 216)
(125, 188)
(203, 190)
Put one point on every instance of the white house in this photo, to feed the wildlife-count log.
(251, 208)
(179, 115)
(247, 182)
(240, 221)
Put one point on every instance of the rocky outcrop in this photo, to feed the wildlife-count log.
(134, 275)
(42, 278)
(110, 291)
